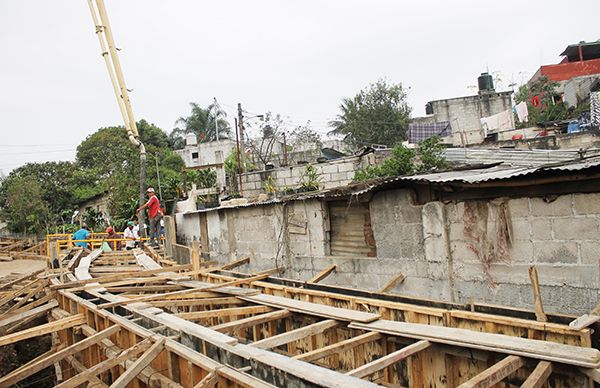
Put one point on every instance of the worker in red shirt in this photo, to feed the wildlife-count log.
(154, 214)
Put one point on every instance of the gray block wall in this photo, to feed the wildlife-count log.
(428, 244)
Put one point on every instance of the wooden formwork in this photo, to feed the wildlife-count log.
(131, 322)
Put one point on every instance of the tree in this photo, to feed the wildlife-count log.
(25, 210)
(378, 114)
(201, 122)
(550, 108)
(270, 129)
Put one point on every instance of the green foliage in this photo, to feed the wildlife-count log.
(310, 179)
(206, 179)
(270, 185)
(231, 163)
(378, 114)
(549, 110)
(94, 219)
(25, 209)
(405, 161)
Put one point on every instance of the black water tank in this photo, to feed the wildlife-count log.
(485, 82)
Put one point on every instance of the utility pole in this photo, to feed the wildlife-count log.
(241, 129)
(237, 170)
(158, 176)
(216, 108)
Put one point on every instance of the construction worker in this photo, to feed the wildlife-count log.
(82, 234)
(154, 214)
(112, 235)
(130, 234)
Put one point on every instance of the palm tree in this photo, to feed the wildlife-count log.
(203, 122)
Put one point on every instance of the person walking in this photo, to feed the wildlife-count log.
(153, 206)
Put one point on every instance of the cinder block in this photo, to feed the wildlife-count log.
(522, 251)
(457, 231)
(590, 252)
(521, 229)
(586, 203)
(283, 173)
(575, 228)
(340, 177)
(562, 206)
(518, 207)
(462, 252)
(328, 168)
(541, 229)
(555, 252)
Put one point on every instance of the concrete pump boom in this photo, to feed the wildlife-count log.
(113, 65)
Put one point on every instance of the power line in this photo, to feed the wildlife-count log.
(38, 152)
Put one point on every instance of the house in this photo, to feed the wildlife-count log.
(207, 155)
(458, 120)
(580, 59)
(463, 235)
(97, 204)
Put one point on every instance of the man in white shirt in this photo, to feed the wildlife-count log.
(131, 236)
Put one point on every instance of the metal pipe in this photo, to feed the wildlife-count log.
(237, 142)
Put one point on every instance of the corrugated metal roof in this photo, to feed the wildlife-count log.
(472, 176)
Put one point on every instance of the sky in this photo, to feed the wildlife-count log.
(295, 58)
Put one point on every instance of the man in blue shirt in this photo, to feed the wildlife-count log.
(82, 234)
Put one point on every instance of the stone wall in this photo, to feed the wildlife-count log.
(430, 246)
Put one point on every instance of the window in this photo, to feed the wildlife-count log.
(194, 155)
(350, 229)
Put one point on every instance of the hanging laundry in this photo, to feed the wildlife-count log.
(502, 121)
(522, 111)
(595, 108)
(535, 100)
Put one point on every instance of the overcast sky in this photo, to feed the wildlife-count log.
(296, 58)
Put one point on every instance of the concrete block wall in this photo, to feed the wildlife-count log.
(427, 243)
(332, 174)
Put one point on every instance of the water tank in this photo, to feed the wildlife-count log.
(485, 83)
(191, 139)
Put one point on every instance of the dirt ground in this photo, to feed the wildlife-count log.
(21, 266)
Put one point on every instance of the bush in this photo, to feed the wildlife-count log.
(406, 161)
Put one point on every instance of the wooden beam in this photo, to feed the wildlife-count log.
(121, 276)
(60, 324)
(183, 292)
(209, 381)
(79, 367)
(395, 280)
(538, 377)
(198, 302)
(35, 312)
(593, 374)
(338, 347)
(227, 312)
(251, 321)
(37, 365)
(235, 264)
(295, 335)
(323, 274)
(496, 373)
(49, 297)
(537, 296)
(10, 296)
(20, 279)
(142, 362)
(387, 360)
(584, 321)
(106, 365)
(195, 256)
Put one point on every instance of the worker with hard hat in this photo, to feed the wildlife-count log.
(154, 215)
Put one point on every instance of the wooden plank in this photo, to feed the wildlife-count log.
(20, 279)
(251, 321)
(110, 278)
(209, 381)
(496, 373)
(323, 274)
(393, 282)
(195, 259)
(79, 367)
(329, 312)
(60, 324)
(390, 359)
(142, 362)
(338, 347)
(539, 376)
(235, 264)
(10, 296)
(188, 291)
(541, 350)
(106, 365)
(35, 312)
(51, 296)
(295, 335)
(37, 365)
(537, 296)
(584, 321)
(593, 374)
(227, 312)
(25, 299)
(229, 300)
